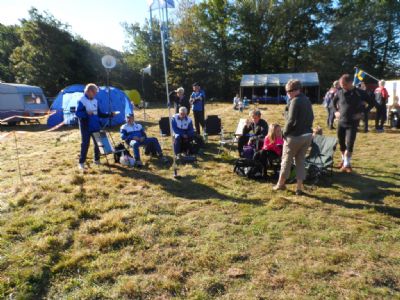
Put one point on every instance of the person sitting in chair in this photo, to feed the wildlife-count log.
(182, 126)
(253, 132)
(135, 136)
(272, 148)
(89, 114)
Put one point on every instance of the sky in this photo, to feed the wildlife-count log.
(98, 21)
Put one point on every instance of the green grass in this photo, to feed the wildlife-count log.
(139, 234)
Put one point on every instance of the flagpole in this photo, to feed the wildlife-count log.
(366, 73)
(167, 91)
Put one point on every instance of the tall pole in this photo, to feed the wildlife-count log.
(109, 97)
(167, 91)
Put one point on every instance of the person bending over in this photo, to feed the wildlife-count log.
(182, 126)
(89, 114)
(254, 131)
(134, 135)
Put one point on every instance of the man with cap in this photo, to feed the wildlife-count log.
(197, 99)
(182, 126)
(134, 135)
(89, 114)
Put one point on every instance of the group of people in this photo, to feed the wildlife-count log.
(377, 98)
(348, 103)
(133, 133)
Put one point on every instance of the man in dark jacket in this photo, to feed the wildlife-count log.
(297, 135)
(89, 114)
(253, 132)
(349, 105)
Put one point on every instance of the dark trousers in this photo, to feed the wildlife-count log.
(347, 137)
(365, 119)
(242, 141)
(266, 157)
(380, 116)
(331, 116)
(85, 146)
(182, 145)
(198, 120)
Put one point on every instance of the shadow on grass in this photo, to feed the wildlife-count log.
(367, 189)
(185, 187)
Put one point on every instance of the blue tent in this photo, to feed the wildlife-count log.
(68, 98)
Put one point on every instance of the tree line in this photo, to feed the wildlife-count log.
(213, 42)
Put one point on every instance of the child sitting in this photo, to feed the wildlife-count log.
(272, 148)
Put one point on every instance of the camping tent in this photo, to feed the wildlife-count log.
(271, 87)
(66, 103)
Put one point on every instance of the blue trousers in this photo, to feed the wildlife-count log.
(181, 144)
(86, 135)
(136, 144)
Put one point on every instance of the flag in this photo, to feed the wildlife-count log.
(358, 76)
(153, 4)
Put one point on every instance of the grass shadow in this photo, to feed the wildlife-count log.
(186, 187)
(365, 188)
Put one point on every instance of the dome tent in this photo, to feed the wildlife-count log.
(67, 100)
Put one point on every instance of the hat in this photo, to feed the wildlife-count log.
(129, 115)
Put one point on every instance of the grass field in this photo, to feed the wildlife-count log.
(139, 234)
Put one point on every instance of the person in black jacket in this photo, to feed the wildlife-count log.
(368, 104)
(179, 100)
(349, 105)
(254, 131)
(297, 135)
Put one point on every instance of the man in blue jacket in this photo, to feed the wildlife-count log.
(135, 136)
(182, 126)
(197, 99)
(89, 114)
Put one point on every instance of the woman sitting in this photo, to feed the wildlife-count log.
(272, 148)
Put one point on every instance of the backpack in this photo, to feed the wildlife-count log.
(249, 168)
(378, 97)
(328, 98)
(150, 149)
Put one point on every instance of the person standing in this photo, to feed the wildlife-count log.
(368, 104)
(297, 135)
(348, 104)
(328, 103)
(197, 99)
(89, 114)
(381, 98)
(178, 97)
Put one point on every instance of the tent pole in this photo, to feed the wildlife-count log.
(167, 91)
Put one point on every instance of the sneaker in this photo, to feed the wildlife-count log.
(81, 166)
(164, 159)
(279, 188)
(96, 162)
(300, 192)
(346, 169)
(138, 163)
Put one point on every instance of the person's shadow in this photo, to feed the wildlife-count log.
(367, 188)
(184, 187)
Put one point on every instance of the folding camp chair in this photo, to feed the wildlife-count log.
(105, 143)
(320, 159)
(165, 130)
(212, 126)
(233, 136)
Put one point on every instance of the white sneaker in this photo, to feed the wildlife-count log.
(81, 166)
